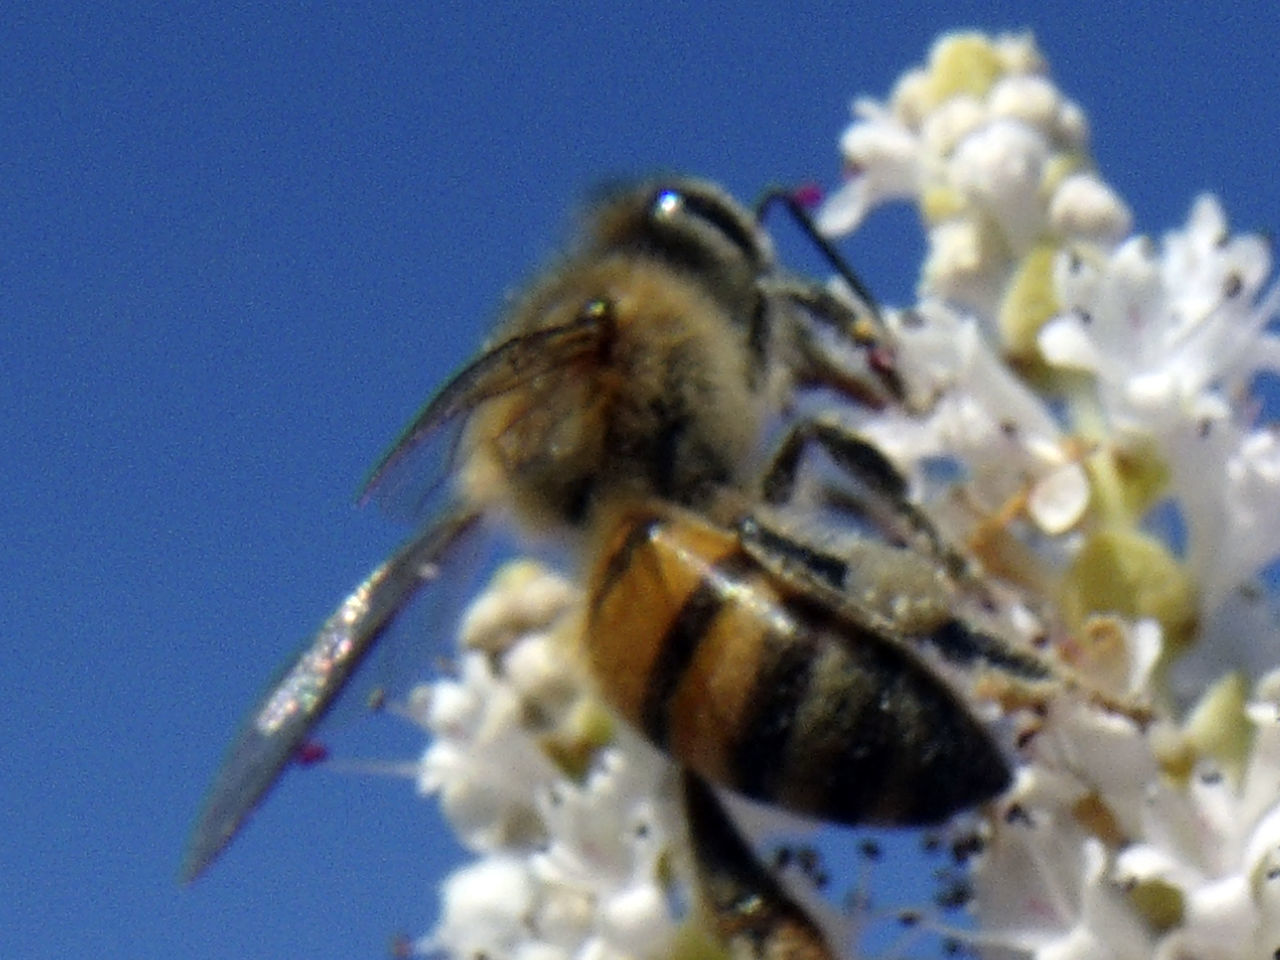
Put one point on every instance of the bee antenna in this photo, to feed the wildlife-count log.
(791, 201)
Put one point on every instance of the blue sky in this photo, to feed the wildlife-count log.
(239, 246)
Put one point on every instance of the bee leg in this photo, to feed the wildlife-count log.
(856, 457)
(861, 323)
(1021, 676)
(817, 572)
(884, 501)
(815, 365)
(1020, 690)
(746, 905)
(865, 331)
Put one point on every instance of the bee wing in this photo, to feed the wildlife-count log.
(498, 370)
(823, 576)
(807, 571)
(278, 724)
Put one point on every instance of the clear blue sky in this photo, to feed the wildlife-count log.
(237, 250)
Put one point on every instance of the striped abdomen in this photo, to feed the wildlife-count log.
(707, 654)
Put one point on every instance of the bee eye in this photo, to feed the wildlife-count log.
(690, 210)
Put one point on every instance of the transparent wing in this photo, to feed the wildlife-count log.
(279, 723)
(398, 478)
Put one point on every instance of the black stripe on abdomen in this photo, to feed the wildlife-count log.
(681, 641)
(759, 760)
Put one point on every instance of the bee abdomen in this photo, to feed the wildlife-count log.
(854, 729)
(694, 643)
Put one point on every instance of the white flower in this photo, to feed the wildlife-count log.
(1173, 337)
(1179, 870)
(571, 866)
(1079, 421)
(982, 416)
(485, 908)
(993, 154)
(1174, 334)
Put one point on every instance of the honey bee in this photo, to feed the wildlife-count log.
(623, 403)
(759, 677)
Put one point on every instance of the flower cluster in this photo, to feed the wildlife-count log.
(570, 819)
(1093, 388)
(1090, 393)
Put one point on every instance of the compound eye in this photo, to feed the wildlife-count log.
(704, 212)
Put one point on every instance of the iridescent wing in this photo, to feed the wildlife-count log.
(281, 721)
(278, 725)
(505, 367)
